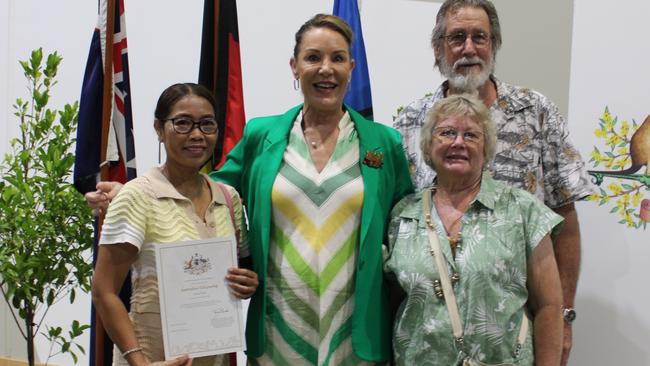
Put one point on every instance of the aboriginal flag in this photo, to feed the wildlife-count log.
(220, 71)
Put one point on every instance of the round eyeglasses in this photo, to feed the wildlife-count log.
(185, 125)
(450, 134)
(458, 39)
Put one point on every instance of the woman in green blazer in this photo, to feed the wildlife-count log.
(281, 168)
(252, 167)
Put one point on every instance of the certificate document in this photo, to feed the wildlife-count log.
(199, 315)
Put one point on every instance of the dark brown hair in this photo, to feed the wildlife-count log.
(328, 21)
(176, 92)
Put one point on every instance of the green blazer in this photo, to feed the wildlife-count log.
(251, 167)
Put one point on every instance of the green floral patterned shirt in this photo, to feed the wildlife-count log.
(500, 230)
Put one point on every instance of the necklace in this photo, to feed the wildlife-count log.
(455, 241)
(315, 139)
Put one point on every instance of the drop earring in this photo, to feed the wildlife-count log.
(296, 84)
(159, 144)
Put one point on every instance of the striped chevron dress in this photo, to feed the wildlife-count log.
(312, 256)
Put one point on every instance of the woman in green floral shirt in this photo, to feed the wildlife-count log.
(496, 245)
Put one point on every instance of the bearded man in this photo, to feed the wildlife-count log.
(533, 148)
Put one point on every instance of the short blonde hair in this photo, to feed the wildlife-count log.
(462, 105)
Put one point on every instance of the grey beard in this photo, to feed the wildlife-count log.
(469, 83)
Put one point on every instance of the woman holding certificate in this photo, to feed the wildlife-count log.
(318, 181)
(171, 203)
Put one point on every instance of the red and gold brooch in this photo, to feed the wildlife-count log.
(374, 159)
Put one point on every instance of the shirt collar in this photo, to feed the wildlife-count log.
(162, 188)
(487, 192)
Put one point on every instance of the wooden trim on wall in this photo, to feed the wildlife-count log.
(12, 362)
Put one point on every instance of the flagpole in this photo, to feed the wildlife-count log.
(107, 109)
(215, 63)
(107, 93)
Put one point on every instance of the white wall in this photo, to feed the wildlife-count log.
(608, 59)
(164, 38)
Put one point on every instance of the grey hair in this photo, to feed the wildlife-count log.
(451, 6)
(459, 105)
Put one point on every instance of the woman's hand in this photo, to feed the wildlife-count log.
(98, 200)
(184, 360)
(243, 282)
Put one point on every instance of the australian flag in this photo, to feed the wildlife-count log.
(120, 148)
(109, 112)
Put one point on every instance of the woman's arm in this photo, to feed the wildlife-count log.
(113, 263)
(545, 299)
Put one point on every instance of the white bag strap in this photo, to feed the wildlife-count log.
(447, 289)
(436, 252)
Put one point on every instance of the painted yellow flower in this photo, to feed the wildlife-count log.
(596, 156)
(628, 220)
(601, 133)
(608, 163)
(607, 117)
(621, 162)
(623, 150)
(620, 205)
(615, 188)
(636, 199)
(593, 197)
(613, 140)
(625, 128)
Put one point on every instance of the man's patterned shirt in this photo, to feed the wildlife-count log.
(533, 147)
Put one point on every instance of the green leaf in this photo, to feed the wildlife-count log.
(54, 331)
(50, 297)
(26, 69)
(36, 59)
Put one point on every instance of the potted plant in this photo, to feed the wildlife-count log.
(45, 226)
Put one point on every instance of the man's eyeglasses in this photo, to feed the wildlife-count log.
(185, 125)
(459, 38)
(450, 134)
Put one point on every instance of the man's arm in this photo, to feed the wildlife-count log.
(567, 255)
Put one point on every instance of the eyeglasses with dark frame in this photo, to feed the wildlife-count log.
(185, 125)
(457, 39)
(450, 134)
